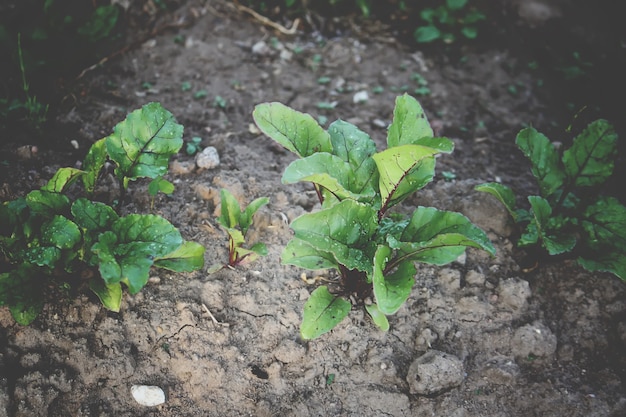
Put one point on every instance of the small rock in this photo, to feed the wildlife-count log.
(208, 158)
(500, 370)
(148, 395)
(434, 372)
(261, 48)
(360, 97)
(533, 340)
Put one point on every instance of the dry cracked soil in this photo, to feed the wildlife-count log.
(479, 337)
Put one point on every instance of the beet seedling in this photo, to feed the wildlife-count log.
(355, 232)
(570, 216)
(46, 237)
(236, 222)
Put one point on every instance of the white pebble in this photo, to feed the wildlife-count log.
(148, 395)
(208, 158)
(360, 97)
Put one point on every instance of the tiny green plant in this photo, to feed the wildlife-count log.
(356, 232)
(570, 217)
(194, 146)
(48, 238)
(443, 22)
(237, 222)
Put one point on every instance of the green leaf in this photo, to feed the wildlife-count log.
(378, 318)
(469, 32)
(93, 215)
(160, 184)
(60, 232)
(328, 171)
(409, 122)
(605, 224)
(612, 262)
(143, 143)
(62, 179)
(426, 34)
(544, 158)
(591, 158)
(187, 258)
(355, 148)
(297, 132)
(503, 193)
(110, 295)
(455, 4)
(555, 241)
(439, 237)
(246, 217)
(230, 210)
(322, 312)
(345, 230)
(127, 252)
(299, 253)
(93, 163)
(391, 290)
(259, 248)
(24, 312)
(42, 256)
(47, 203)
(404, 170)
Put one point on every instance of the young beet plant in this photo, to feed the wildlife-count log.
(46, 237)
(355, 233)
(570, 216)
(236, 222)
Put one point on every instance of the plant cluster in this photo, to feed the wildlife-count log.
(356, 232)
(49, 235)
(446, 21)
(570, 216)
(237, 222)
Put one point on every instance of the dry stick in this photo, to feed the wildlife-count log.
(268, 22)
(210, 315)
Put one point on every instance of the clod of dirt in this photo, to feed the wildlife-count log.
(533, 340)
(433, 372)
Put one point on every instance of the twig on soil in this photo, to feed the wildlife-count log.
(268, 22)
(206, 309)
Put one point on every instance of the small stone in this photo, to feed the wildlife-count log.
(433, 372)
(533, 340)
(148, 395)
(261, 48)
(208, 158)
(360, 97)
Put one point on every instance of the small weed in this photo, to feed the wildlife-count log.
(185, 86)
(220, 102)
(237, 223)
(200, 94)
(193, 146)
(445, 22)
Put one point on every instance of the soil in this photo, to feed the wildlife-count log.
(479, 337)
